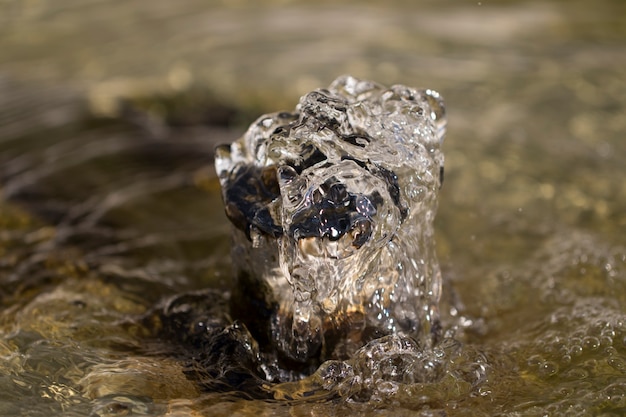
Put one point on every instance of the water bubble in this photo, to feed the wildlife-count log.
(534, 361)
(118, 405)
(608, 331)
(606, 341)
(576, 373)
(618, 364)
(548, 369)
(616, 394)
(576, 350)
(591, 343)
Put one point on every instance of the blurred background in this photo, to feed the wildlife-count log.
(514, 73)
(110, 111)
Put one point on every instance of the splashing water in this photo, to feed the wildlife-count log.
(332, 209)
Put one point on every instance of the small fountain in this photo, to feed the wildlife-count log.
(332, 208)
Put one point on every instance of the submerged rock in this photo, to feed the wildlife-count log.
(332, 208)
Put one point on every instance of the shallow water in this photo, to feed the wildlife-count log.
(108, 120)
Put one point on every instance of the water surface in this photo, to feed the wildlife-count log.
(109, 115)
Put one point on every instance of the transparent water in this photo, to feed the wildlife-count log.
(108, 121)
(332, 209)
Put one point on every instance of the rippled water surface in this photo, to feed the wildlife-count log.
(114, 250)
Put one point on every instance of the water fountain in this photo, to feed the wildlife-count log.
(332, 208)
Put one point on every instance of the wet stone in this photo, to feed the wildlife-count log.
(332, 208)
(218, 354)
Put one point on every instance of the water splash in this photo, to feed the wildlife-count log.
(395, 370)
(333, 208)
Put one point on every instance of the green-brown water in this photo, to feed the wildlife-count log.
(109, 114)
